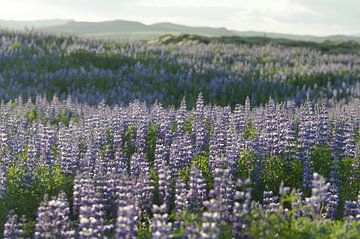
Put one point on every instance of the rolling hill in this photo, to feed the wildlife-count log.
(121, 29)
(20, 25)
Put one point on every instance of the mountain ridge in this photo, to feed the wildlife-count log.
(124, 29)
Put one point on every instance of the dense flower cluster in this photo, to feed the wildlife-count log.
(176, 171)
(121, 72)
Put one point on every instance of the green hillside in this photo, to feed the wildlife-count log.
(120, 29)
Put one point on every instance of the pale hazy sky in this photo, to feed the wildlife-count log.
(316, 17)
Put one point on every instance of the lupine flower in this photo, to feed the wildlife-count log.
(197, 193)
(319, 195)
(161, 227)
(126, 223)
(11, 228)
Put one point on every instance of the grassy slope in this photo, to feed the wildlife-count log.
(325, 47)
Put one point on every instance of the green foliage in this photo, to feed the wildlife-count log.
(184, 174)
(202, 163)
(250, 132)
(293, 175)
(188, 125)
(128, 145)
(155, 178)
(225, 231)
(16, 46)
(277, 226)
(14, 106)
(245, 165)
(25, 200)
(151, 143)
(274, 173)
(32, 116)
(173, 127)
(106, 60)
(144, 233)
(349, 178)
(186, 218)
(321, 161)
(63, 118)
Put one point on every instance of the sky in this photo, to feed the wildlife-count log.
(313, 17)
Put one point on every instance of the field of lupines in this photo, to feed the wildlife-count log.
(121, 72)
(104, 148)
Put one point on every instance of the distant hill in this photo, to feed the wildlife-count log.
(298, 37)
(120, 29)
(133, 30)
(20, 25)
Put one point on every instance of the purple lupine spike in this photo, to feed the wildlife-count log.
(240, 119)
(199, 127)
(270, 202)
(324, 131)
(247, 110)
(181, 154)
(211, 219)
(349, 139)
(224, 190)
(68, 160)
(166, 134)
(11, 227)
(140, 137)
(77, 194)
(334, 184)
(241, 208)
(110, 193)
(176, 162)
(180, 196)
(181, 115)
(89, 224)
(271, 134)
(319, 195)
(232, 152)
(23, 225)
(3, 181)
(123, 192)
(217, 144)
(306, 142)
(126, 223)
(164, 184)
(351, 210)
(46, 140)
(53, 219)
(297, 204)
(43, 220)
(180, 202)
(28, 175)
(284, 131)
(161, 227)
(104, 202)
(197, 193)
(136, 163)
(145, 193)
(332, 202)
(117, 135)
(338, 141)
(4, 146)
(120, 162)
(159, 154)
(192, 231)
